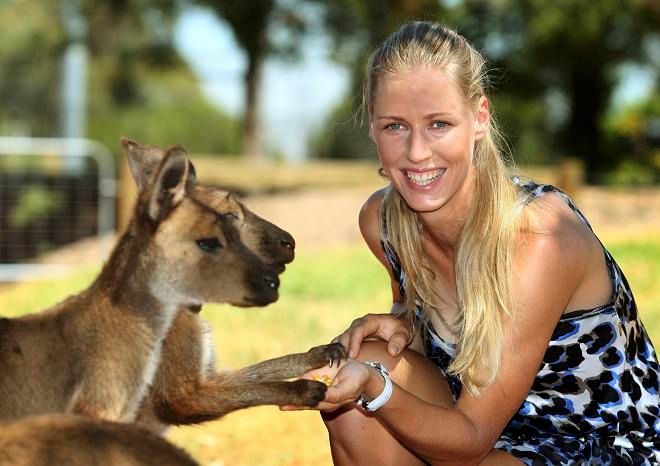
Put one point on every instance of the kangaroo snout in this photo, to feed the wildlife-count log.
(283, 246)
(272, 281)
(262, 287)
(287, 242)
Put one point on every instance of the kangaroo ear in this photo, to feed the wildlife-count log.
(142, 161)
(169, 184)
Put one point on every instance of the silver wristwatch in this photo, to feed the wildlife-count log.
(385, 395)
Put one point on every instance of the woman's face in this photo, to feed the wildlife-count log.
(425, 134)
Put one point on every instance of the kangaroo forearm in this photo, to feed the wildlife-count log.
(212, 401)
(294, 365)
(281, 368)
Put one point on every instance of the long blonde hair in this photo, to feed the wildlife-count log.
(483, 266)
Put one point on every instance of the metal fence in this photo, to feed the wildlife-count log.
(53, 193)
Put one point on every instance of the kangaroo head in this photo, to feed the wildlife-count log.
(203, 244)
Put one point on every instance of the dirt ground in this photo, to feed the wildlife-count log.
(327, 217)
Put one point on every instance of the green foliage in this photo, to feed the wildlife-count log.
(631, 173)
(566, 53)
(522, 123)
(137, 84)
(629, 131)
(171, 110)
(33, 202)
(28, 65)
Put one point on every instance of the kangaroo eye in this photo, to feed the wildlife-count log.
(208, 244)
(229, 216)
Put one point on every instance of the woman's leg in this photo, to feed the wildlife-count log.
(358, 438)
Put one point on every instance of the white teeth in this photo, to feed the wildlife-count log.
(422, 179)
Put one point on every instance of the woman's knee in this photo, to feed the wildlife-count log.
(354, 433)
(410, 371)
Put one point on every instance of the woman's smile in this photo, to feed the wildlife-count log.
(424, 180)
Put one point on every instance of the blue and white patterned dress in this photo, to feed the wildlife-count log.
(595, 399)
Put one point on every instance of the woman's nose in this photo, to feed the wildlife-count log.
(419, 148)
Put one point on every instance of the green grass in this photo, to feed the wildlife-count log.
(322, 292)
(640, 262)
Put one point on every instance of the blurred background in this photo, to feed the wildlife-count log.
(264, 94)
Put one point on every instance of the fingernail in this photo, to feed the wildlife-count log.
(395, 350)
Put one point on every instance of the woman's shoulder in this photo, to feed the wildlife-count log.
(555, 242)
(551, 218)
(368, 218)
(370, 225)
(372, 204)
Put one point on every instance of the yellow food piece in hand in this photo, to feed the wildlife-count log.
(323, 378)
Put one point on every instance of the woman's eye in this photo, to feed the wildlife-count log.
(439, 124)
(208, 244)
(394, 126)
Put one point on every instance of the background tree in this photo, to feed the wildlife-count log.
(356, 27)
(27, 68)
(564, 56)
(256, 24)
(138, 85)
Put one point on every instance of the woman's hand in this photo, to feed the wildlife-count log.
(394, 330)
(349, 381)
(347, 385)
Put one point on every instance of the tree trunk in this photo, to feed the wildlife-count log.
(588, 92)
(252, 143)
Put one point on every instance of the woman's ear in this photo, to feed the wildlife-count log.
(482, 118)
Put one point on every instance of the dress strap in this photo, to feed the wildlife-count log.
(531, 190)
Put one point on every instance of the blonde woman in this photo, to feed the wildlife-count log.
(529, 347)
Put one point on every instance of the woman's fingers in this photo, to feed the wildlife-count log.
(398, 341)
(384, 326)
(346, 386)
(359, 329)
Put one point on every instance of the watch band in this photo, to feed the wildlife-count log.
(384, 396)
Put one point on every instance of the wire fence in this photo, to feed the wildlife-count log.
(53, 192)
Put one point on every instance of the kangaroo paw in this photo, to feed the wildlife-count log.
(307, 392)
(328, 354)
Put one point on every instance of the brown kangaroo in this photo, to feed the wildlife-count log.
(131, 347)
(73, 440)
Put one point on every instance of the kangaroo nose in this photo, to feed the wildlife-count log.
(288, 243)
(271, 281)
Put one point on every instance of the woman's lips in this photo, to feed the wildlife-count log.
(424, 179)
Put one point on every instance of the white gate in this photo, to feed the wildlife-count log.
(47, 202)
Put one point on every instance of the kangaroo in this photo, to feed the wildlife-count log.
(73, 440)
(131, 347)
